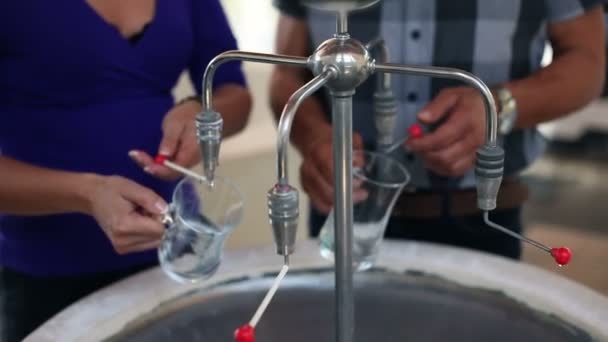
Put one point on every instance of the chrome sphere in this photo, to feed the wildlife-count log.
(349, 58)
(340, 5)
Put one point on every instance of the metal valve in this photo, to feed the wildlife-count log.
(488, 171)
(283, 214)
(385, 117)
(209, 126)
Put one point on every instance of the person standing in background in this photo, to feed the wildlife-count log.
(83, 83)
(502, 42)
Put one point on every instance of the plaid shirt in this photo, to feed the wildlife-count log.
(497, 40)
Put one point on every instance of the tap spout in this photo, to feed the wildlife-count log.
(489, 166)
(209, 123)
(456, 74)
(289, 112)
(245, 56)
(283, 199)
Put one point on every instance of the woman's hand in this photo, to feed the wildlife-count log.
(127, 212)
(179, 142)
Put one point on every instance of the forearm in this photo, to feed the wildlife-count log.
(29, 190)
(573, 79)
(568, 84)
(233, 102)
(310, 120)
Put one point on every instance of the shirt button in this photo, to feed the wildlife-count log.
(412, 97)
(415, 34)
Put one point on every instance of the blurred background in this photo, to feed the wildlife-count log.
(568, 202)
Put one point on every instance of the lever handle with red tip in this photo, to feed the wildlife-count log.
(414, 131)
(562, 255)
(246, 333)
(162, 159)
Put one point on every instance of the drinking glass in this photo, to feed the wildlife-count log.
(382, 178)
(199, 220)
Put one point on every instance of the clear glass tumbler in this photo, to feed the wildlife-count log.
(382, 178)
(199, 220)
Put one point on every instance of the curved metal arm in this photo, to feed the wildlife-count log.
(379, 45)
(468, 78)
(289, 112)
(489, 165)
(242, 56)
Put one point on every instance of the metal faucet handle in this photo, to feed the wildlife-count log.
(283, 214)
(209, 126)
(488, 170)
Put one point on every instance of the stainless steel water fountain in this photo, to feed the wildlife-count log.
(341, 64)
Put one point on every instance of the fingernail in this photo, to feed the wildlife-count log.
(425, 116)
(164, 152)
(147, 169)
(161, 206)
(133, 154)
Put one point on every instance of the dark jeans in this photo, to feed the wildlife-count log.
(469, 231)
(28, 301)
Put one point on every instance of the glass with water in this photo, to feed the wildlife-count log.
(199, 220)
(380, 180)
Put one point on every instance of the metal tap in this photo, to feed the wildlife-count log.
(384, 103)
(283, 200)
(209, 123)
(490, 157)
(341, 64)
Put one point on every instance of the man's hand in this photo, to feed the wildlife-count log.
(317, 171)
(450, 149)
(127, 213)
(179, 142)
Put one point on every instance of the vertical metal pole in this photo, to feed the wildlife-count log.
(343, 211)
(342, 23)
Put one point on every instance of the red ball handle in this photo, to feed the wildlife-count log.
(160, 159)
(562, 255)
(415, 131)
(246, 333)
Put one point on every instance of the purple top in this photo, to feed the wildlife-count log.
(75, 95)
